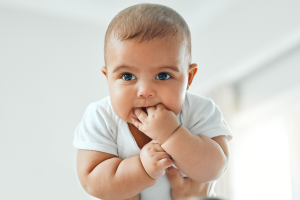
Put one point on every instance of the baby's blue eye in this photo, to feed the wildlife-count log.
(163, 76)
(128, 77)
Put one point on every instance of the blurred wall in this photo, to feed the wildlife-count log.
(49, 73)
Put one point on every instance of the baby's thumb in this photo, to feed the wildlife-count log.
(175, 178)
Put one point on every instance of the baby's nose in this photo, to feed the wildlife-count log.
(146, 90)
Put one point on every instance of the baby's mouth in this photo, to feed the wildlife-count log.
(143, 108)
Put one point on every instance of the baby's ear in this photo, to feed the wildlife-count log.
(191, 74)
(104, 71)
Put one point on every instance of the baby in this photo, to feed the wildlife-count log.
(149, 122)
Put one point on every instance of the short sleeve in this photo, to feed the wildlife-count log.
(203, 117)
(96, 131)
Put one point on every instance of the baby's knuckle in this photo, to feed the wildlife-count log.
(149, 148)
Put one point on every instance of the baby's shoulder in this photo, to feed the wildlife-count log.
(103, 109)
(194, 102)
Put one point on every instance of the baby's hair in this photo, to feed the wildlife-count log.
(145, 22)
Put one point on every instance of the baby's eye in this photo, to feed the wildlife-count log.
(128, 77)
(163, 76)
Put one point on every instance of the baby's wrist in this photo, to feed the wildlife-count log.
(163, 140)
(153, 175)
(173, 136)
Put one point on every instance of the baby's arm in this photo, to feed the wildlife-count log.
(199, 157)
(106, 176)
(202, 158)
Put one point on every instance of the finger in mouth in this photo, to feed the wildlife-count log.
(144, 109)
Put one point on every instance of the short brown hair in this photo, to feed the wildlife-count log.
(146, 22)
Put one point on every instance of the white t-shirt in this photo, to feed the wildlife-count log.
(102, 130)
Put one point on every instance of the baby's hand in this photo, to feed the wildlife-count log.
(159, 124)
(155, 160)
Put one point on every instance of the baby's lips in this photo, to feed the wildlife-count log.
(134, 113)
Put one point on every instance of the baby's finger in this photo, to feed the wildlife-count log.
(164, 163)
(161, 155)
(151, 109)
(153, 141)
(142, 116)
(137, 123)
(160, 107)
(158, 148)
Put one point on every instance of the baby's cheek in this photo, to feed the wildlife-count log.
(173, 101)
(122, 111)
(175, 107)
(126, 113)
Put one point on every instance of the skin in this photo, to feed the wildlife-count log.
(155, 75)
(145, 61)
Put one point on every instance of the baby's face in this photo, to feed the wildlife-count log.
(146, 74)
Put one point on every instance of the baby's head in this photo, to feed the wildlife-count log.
(147, 59)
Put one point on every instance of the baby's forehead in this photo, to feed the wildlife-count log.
(158, 53)
(173, 40)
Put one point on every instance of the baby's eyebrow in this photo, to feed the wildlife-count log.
(132, 68)
(123, 67)
(170, 67)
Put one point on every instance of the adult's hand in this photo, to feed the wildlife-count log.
(184, 187)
